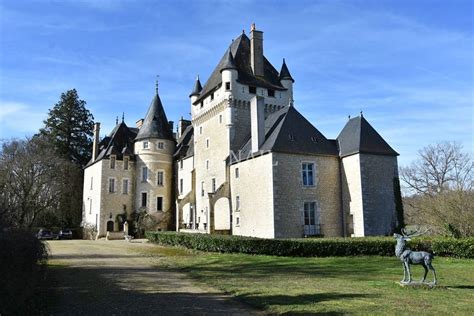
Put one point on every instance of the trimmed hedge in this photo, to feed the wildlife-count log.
(324, 247)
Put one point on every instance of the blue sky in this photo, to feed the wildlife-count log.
(408, 65)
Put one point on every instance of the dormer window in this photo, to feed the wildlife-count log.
(252, 90)
(145, 145)
(112, 162)
(271, 93)
(227, 86)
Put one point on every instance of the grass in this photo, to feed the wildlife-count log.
(334, 285)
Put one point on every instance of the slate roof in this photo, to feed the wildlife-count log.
(185, 146)
(285, 73)
(119, 142)
(197, 87)
(358, 136)
(288, 131)
(156, 124)
(240, 50)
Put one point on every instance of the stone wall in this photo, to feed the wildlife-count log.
(290, 194)
(352, 196)
(254, 186)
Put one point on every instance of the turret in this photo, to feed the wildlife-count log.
(286, 80)
(229, 73)
(196, 90)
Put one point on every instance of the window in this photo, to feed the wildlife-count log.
(181, 186)
(237, 202)
(200, 130)
(112, 162)
(125, 186)
(271, 93)
(311, 219)
(220, 119)
(144, 199)
(207, 164)
(207, 142)
(227, 85)
(308, 174)
(213, 184)
(92, 182)
(237, 172)
(90, 206)
(111, 185)
(181, 164)
(159, 203)
(212, 96)
(125, 163)
(159, 178)
(237, 221)
(202, 188)
(202, 104)
(144, 174)
(252, 90)
(161, 145)
(145, 145)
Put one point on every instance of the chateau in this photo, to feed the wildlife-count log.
(246, 163)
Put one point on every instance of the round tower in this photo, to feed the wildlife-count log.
(286, 80)
(229, 78)
(154, 147)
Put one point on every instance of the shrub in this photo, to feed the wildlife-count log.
(382, 246)
(22, 258)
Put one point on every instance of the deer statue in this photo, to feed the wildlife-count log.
(412, 257)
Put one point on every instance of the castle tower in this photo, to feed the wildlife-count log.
(154, 147)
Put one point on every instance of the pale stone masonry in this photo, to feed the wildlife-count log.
(246, 163)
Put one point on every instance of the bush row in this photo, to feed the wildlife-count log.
(21, 266)
(383, 246)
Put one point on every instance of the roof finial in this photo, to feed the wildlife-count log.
(116, 120)
(156, 83)
(361, 114)
(123, 117)
(243, 31)
(252, 28)
(349, 116)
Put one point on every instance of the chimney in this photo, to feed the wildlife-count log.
(139, 123)
(95, 145)
(182, 125)
(256, 51)
(171, 125)
(257, 119)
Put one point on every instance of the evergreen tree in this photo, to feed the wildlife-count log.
(69, 128)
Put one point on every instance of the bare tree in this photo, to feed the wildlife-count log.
(28, 181)
(440, 189)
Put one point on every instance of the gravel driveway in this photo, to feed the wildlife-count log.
(113, 278)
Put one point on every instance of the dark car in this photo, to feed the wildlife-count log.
(65, 234)
(44, 234)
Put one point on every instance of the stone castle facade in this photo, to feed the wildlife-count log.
(246, 163)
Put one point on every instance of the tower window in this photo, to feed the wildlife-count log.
(308, 174)
(202, 104)
(159, 178)
(237, 202)
(112, 162)
(237, 173)
(252, 90)
(145, 145)
(227, 85)
(159, 203)
(271, 93)
(92, 182)
(181, 186)
(212, 96)
(144, 199)
(202, 188)
(125, 163)
(125, 186)
(207, 142)
(213, 184)
(181, 164)
(207, 164)
(161, 145)
(220, 118)
(111, 185)
(200, 130)
(144, 174)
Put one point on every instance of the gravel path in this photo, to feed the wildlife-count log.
(112, 278)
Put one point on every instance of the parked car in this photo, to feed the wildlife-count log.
(44, 234)
(65, 234)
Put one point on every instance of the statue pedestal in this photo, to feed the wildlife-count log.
(417, 284)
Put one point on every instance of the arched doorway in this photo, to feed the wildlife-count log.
(110, 226)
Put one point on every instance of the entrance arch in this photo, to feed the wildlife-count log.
(110, 226)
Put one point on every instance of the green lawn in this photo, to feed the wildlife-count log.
(327, 285)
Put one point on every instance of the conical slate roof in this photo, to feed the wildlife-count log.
(156, 124)
(197, 88)
(228, 61)
(285, 73)
(358, 136)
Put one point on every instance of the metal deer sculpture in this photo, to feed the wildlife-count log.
(412, 257)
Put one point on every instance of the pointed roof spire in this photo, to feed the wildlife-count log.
(116, 120)
(156, 84)
(197, 87)
(155, 124)
(285, 73)
(123, 117)
(228, 61)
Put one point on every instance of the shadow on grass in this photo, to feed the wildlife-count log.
(92, 257)
(124, 291)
